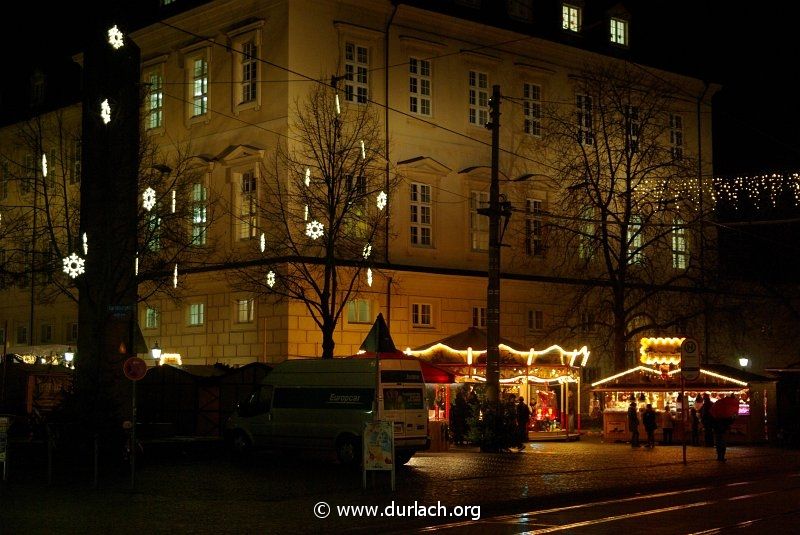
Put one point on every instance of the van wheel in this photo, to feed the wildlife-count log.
(402, 457)
(348, 450)
(241, 445)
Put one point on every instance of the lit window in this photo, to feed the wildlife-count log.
(635, 253)
(419, 86)
(479, 316)
(421, 214)
(535, 320)
(199, 214)
(478, 98)
(532, 108)
(583, 105)
(680, 255)
(200, 87)
(421, 315)
(676, 136)
(358, 311)
(196, 314)
(153, 238)
(151, 318)
(155, 101)
(570, 17)
(245, 310)
(479, 224)
(249, 71)
(534, 224)
(619, 31)
(248, 211)
(356, 67)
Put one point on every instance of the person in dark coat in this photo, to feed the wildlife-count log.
(458, 418)
(695, 427)
(649, 421)
(721, 426)
(707, 420)
(523, 417)
(633, 424)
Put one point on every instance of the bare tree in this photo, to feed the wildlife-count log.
(323, 204)
(630, 189)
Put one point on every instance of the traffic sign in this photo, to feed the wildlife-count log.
(690, 359)
(134, 368)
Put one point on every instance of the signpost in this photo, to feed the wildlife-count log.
(134, 368)
(690, 371)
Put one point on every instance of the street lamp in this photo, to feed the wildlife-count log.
(68, 356)
(743, 362)
(155, 351)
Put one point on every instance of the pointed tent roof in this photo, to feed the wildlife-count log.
(378, 339)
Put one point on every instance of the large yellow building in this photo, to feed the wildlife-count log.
(221, 80)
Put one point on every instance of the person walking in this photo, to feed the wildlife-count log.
(667, 425)
(707, 420)
(721, 426)
(523, 417)
(633, 424)
(649, 421)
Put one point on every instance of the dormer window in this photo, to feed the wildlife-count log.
(619, 31)
(570, 17)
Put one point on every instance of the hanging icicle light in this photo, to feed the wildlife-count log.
(85, 244)
(381, 202)
(173, 201)
(149, 199)
(305, 216)
(369, 277)
(105, 111)
(271, 279)
(175, 277)
(263, 242)
(338, 107)
(115, 38)
(308, 177)
(136, 265)
(363, 151)
(44, 165)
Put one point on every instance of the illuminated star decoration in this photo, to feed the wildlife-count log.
(308, 176)
(44, 165)
(263, 242)
(149, 199)
(73, 265)
(367, 251)
(85, 244)
(381, 202)
(369, 276)
(175, 277)
(314, 229)
(271, 279)
(115, 38)
(105, 111)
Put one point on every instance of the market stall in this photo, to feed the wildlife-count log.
(658, 382)
(548, 379)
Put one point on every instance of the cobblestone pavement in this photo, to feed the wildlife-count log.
(271, 493)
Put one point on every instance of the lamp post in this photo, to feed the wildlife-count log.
(155, 352)
(68, 357)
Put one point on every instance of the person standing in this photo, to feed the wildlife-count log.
(633, 424)
(667, 425)
(695, 427)
(523, 417)
(707, 420)
(721, 426)
(649, 421)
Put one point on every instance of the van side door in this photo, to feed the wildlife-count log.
(260, 420)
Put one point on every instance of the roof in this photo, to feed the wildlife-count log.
(472, 337)
(713, 377)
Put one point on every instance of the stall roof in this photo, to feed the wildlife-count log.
(713, 377)
(430, 372)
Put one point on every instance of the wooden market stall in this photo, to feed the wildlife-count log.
(548, 379)
(658, 382)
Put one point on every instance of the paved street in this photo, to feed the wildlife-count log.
(207, 493)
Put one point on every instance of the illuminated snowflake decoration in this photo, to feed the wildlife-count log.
(73, 265)
(367, 251)
(263, 242)
(175, 277)
(149, 199)
(363, 151)
(381, 202)
(314, 230)
(44, 165)
(85, 244)
(173, 201)
(105, 111)
(369, 276)
(308, 176)
(271, 279)
(115, 38)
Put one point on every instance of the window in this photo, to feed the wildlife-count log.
(532, 108)
(52, 168)
(356, 67)
(632, 128)
(22, 334)
(587, 322)
(619, 31)
(586, 237)
(478, 98)
(520, 9)
(570, 18)
(248, 211)
(199, 214)
(155, 100)
(419, 86)
(421, 315)
(75, 160)
(635, 253)
(358, 311)
(534, 223)
(199, 87)
(356, 189)
(249, 71)
(479, 316)
(47, 333)
(535, 320)
(680, 256)
(479, 224)
(153, 238)
(245, 311)
(2, 335)
(3, 180)
(196, 314)
(28, 173)
(420, 214)
(583, 105)
(676, 136)
(72, 332)
(151, 318)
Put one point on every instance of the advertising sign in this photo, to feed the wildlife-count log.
(378, 446)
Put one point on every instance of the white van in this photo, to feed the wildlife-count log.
(323, 404)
